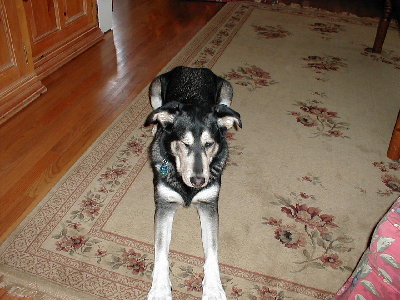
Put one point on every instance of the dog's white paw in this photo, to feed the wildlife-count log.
(213, 293)
(160, 293)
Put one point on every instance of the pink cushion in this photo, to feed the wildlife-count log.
(377, 275)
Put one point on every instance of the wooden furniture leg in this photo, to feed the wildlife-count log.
(394, 146)
(382, 27)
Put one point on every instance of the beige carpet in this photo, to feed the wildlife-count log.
(306, 182)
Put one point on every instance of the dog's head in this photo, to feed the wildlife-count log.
(194, 135)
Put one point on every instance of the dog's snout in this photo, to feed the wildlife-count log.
(197, 181)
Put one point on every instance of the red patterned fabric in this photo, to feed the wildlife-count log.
(377, 275)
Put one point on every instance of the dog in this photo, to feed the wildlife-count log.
(188, 154)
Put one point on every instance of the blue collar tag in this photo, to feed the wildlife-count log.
(164, 168)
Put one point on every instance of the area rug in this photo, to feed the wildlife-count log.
(306, 182)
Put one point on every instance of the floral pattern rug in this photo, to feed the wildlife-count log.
(306, 182)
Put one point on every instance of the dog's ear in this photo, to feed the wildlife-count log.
(157, 91)
(227, 117)
(164, 115)
(224, 92)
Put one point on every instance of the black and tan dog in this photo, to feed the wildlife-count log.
(188, 154)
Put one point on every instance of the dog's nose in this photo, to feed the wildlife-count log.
(197, 181)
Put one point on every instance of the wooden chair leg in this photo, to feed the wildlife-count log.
(394, 146)
(382, 27)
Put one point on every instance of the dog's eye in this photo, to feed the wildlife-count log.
(186, 145)
(208, 144)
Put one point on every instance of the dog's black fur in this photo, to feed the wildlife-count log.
(192, 96)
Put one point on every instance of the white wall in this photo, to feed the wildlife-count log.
(105, 14)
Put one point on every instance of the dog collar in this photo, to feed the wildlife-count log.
(164, 168)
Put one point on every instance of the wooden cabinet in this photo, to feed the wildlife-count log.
(60, 30)
(36, 38)
(19, 84)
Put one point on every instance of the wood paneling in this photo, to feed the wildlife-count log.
(12, 57)
(44, 20)
(60, 30)
(7, 59)
(19, 84)
(75, 9)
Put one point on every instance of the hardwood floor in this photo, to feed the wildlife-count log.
(42, 142)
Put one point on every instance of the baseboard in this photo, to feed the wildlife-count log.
(28, 88)
(19, 95)
(48, 62)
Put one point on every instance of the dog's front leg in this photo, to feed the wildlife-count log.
(163, 219)
(212, 287)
